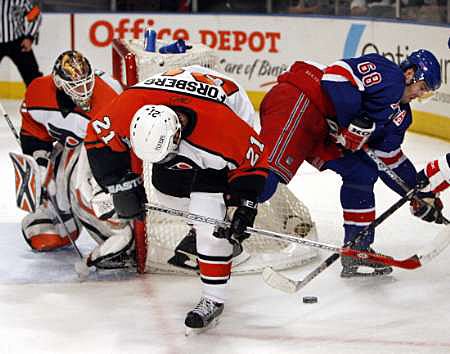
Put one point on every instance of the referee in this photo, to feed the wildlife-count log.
(19, 26)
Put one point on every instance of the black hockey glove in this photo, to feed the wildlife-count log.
(430, 212)
(243, 217)
(129, 196)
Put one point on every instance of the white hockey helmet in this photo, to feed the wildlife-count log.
(73, 74)
(155, 133)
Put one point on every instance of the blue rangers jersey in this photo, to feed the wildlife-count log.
(372, 86)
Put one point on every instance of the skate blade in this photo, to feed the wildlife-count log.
(374, 274)
(241, 258)
(195, 331)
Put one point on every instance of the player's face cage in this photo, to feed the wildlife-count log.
(73, 74)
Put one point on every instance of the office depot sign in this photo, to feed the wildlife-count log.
(102, 32)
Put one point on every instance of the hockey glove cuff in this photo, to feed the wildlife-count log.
(129, 196)
(243, 217)
(356, 134)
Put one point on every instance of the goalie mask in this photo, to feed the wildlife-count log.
(155, 133)
(73, 74)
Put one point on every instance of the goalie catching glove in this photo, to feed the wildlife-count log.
(129, 196)
(356, 134)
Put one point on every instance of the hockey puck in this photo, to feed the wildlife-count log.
(310, 299)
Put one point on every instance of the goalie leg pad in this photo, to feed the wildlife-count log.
(43, 233)
(113, 252)
(28, 182)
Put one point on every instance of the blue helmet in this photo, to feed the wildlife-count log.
(426, 67)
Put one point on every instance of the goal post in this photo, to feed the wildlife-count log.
(283, 213)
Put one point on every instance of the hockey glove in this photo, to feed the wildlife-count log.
(431, 211)
(356, 134)
(129, 196)
(243, 217)
(435, 175)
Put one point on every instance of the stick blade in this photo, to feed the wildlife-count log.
(279, 281)
(439, 243)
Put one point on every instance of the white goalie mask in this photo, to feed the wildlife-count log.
(73, 74)
(155, 133)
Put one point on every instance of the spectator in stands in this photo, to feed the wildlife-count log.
(370, 8)
(322, 7)
(20, 21)
(358, 8)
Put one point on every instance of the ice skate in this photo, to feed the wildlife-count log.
(351, 267)
(203, 317)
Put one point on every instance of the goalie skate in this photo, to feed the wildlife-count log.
(203, 317)
(352, 267)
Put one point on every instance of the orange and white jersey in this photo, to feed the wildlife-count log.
(45, 118)
(204, 82)
(216, 137)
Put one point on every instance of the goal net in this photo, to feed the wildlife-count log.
(283, 213)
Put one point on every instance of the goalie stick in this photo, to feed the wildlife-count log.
(409, 263)
(11, 125)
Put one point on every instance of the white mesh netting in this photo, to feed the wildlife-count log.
(149, 63)
(284, 213)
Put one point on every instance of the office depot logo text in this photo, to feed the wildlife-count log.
(102, 32)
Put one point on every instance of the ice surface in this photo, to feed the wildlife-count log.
(45, 309)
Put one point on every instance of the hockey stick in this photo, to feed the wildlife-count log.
(345, 251)
(281, 282)
(11, 125)
(396, 178)
(51, 200)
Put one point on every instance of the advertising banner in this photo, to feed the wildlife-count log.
(252, 49)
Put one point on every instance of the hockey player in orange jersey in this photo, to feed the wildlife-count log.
(55, 113)
(200, 148)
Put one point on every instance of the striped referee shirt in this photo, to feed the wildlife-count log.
(19, 18)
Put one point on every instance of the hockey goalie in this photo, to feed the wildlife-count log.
(53, 180)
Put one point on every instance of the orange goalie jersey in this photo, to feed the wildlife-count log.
(216, 138)
(48, 116)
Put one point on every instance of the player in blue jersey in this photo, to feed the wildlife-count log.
(326, 115)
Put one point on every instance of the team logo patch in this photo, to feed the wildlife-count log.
(181, 166)
(399, 118)
(289, 160)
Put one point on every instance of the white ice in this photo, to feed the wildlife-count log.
(45, 309)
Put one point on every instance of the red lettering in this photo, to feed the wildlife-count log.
(272, 37)
(137, 29)
(224, 43)
(239, 39)
(122, 27)
(163, 32)
(93, 33)
(258, 36)
(181, 34)
(205, 34)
